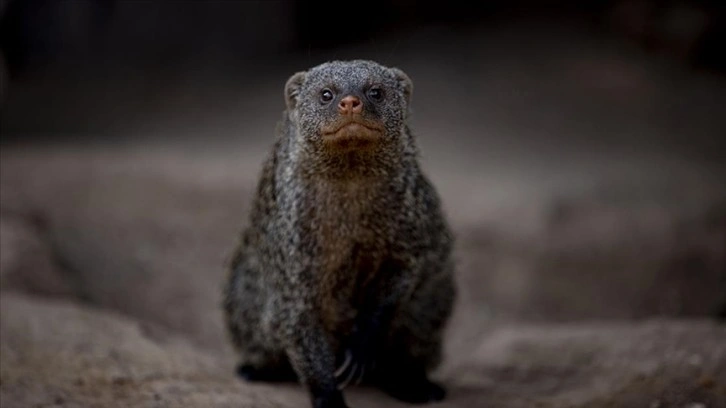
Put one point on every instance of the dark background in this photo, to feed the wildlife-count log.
(98, 65)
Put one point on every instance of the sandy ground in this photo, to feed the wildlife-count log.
(586, 193)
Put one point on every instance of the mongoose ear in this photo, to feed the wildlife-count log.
(405, 82)
(292, 89)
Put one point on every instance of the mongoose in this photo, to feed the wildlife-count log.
(344, 272)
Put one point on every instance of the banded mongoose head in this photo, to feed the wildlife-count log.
(346, 106)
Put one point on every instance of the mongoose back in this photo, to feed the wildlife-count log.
(343, 273)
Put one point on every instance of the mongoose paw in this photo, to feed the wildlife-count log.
(352, 369)
(415, 392)
(329, 400)
(265, 374)
(361, 351)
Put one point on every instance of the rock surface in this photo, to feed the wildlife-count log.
(112, 263)
(58, 353)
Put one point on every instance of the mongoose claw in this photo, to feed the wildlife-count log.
(345, 373)
(346, 362)
(352, 371)
(346, 380)
(361, 373)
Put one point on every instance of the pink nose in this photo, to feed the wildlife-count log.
(350, 104)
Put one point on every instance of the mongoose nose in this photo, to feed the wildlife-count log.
(350, 104)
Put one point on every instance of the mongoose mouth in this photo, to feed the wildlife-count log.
(353, 133)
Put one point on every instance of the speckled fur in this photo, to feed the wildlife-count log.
(332, 231)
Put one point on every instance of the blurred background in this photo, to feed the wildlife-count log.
(579, 149)
(104, 66)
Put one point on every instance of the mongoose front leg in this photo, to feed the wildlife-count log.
(362, 347)
(413, 344)
(398, 374)
(313, 359)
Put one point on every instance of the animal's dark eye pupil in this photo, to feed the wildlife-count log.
(375, 93)
(326, 95)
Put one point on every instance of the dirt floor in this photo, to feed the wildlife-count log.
(590, 219)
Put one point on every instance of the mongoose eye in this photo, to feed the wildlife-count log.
(375, 93)
(326, 95)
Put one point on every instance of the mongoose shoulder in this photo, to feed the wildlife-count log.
(343, 273)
